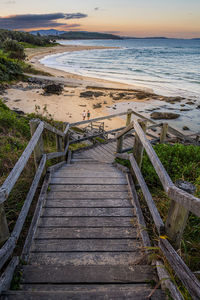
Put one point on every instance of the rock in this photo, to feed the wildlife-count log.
(190, 103)
(182, 104)
(186, 128)
(98, 105)
(185, 109)
(53, 88)
(185, 186)
(198, 107)
(105, 102)
(91, 94)
(19, 112)
(164, 115)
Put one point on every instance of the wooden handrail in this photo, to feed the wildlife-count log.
(98, 119)
(126, 130)
(10, 244)
(18, 168)
(160, 170)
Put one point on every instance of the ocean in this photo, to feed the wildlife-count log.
(170, 67)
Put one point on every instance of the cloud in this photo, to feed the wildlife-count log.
(9, 2)
(38, 20)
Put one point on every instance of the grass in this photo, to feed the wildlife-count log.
(180, 162)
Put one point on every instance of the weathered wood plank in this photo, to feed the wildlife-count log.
(10, 244)
(163, 133)
(89, 274)
(180, 268)
(166, 281)
(90, 212)
(104, 293)
(147, 195)
(86, 174)
(39, 147)
(126, 130)
(190, 202)
(6, 277)
(160, 170)
(36, 216)
(138, 148)
(98, 119)
(87, 195)
(139, 214)
(19, 166)
(89, 180)
(86, 258)
(53, 129)
(55, 155)
(73, 233)
(89, 188)
(87, 222)
(79, 245)
(88, 203)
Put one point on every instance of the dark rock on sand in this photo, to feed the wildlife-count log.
(190, 103)
(53, 88)
(98, 105)
(185, 109)
(186, 128)
(164, 115)
(91, 94)
(198, 107)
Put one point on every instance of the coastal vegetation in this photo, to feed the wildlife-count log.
(12, 55)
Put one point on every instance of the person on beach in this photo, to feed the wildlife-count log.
(84, 115)
(88, 114)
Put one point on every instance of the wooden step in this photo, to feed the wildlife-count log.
(89, 180)
(88, 274)
(86, 258)
(87, 222)
(104, 203)
(102, 293)
(85, 245)
(81, 174)
(89, 188)
(95, 232)
(73, 194)
(88, 212)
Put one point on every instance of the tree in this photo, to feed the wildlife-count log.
(14, 48)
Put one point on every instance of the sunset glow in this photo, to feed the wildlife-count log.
(178, 18)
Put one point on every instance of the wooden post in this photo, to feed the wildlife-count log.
(59, 143)
(163, 133)
(119, 144)
(128, 117)
(39, 148)
(177, 216)
(138, 148)
(4, 231)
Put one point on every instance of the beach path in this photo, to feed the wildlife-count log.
(86, 242)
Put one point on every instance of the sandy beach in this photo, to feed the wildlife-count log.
(69, 106)
(100, 97)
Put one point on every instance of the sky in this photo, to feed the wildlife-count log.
(138, 18)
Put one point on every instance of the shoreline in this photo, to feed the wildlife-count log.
(34, 55)
(100, 97)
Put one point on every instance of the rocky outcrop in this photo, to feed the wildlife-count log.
(53, 88)
(91, 94)
(164, 115)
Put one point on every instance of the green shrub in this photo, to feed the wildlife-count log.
(14, 49)
(10, 69)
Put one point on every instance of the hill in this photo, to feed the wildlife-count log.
(75, 35)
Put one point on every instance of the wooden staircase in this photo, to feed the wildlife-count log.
(87, 243)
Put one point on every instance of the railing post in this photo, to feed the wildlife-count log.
(128, 117)
(39, 148)
(178, 215)
(163, 133)
(59, 143)
(138, 148)
(119, 144)
(4, 231)
(66, 139)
